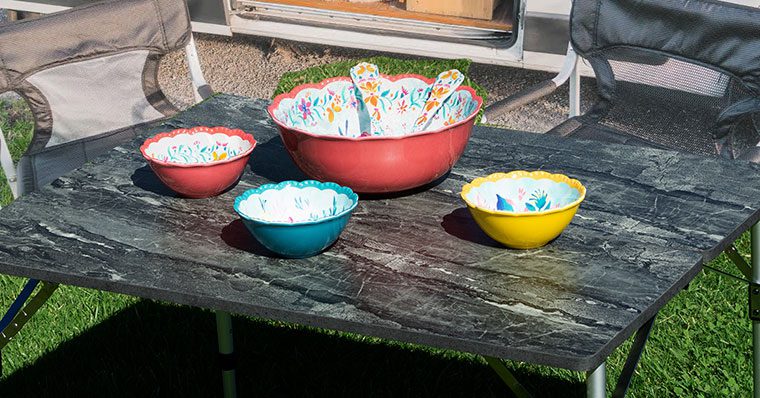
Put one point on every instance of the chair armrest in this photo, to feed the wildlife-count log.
(521, 98)
(201, 88)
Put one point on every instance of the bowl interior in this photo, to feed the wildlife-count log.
(198, 147)
(336, 109)
(292, 202)
(523, 194)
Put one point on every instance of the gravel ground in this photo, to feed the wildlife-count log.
(252, 66)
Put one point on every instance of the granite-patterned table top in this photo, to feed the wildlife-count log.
(414, 267)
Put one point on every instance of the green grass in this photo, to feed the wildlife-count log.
(17, 124)
(89, 343)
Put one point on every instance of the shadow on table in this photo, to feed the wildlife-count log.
(236, 235)
(408, 192)
(145, 178)
(152, 349)
(459, 223)
(271, 161)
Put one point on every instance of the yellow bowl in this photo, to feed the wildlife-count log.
(522, 209)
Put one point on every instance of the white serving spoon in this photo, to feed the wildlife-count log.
(445, 85)
(367, 79)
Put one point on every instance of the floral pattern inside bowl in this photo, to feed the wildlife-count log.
(294, 202)
(334, 107)
(525, 192)
(199, 145)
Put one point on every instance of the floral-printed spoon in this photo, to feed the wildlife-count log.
(366, 77)
(446, 83)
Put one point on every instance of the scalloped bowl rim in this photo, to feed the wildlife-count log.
(292, 94)
(536, 175)
(297, 184)
(199, 129)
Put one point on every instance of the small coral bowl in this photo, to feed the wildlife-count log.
(326, 130)
(521, 209)
(296, 219)
(199, 162)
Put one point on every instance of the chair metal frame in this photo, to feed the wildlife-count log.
(569, 73)
(590, 41)
(23, 308)
(596, 380)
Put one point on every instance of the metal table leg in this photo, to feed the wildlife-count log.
(22, 315)
(226, 353)
(596, 383)
(755, 233)
(508, 378)
(18, 303)
(596, 380)
(634, 355)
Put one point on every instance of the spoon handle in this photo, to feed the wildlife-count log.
(366, 77)
(446, 83)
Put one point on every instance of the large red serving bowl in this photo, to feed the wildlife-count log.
(377, 164)
(201, 179)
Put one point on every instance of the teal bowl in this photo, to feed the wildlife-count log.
(296, 219)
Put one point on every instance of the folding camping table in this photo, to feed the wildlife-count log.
(412, 267)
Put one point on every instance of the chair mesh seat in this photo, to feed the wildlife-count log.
(600, 132)
(667, 81)
(89, 76)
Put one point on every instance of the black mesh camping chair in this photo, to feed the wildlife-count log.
(672, 74)
(677, 74)
(89, 76)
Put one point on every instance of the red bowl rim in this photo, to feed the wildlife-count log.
(213, 130)
(393, 78)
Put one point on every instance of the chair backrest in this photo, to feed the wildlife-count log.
(684, 74)
(89, 75)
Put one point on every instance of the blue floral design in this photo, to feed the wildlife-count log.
(503, 204)
(539, 201)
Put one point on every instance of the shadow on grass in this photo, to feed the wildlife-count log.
(152, 349)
